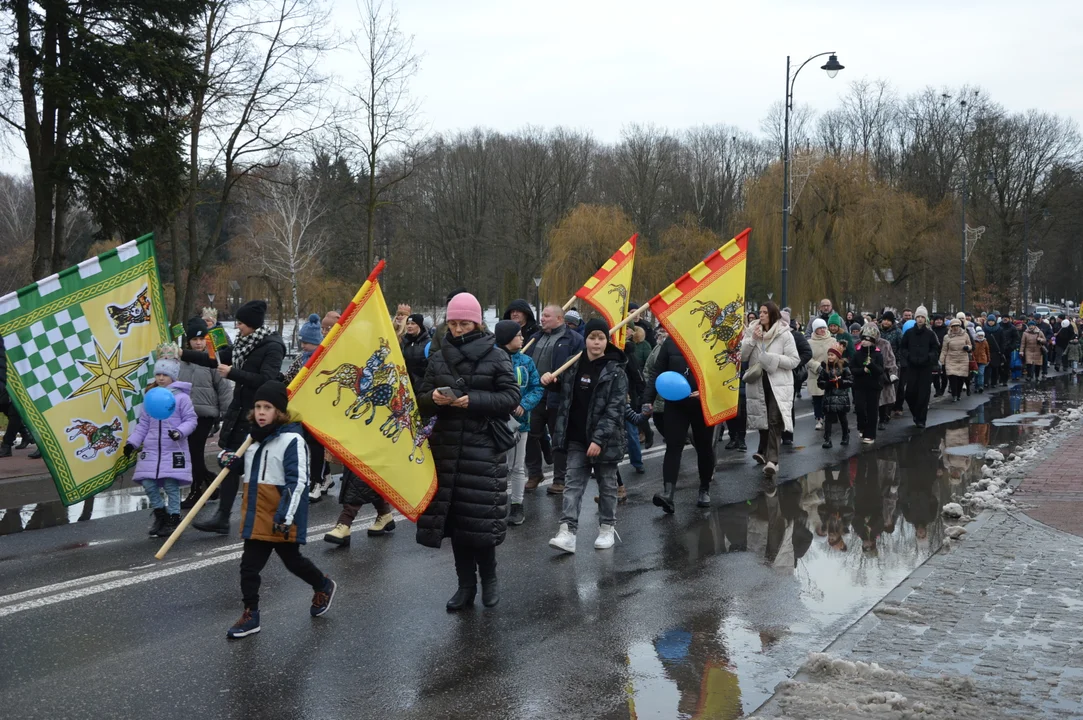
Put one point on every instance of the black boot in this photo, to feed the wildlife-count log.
(160, 519)
(741, 443)
(218, 523)
(827, 437)
(463, 597)
(664, 499)
(170, 524)
(490, 592)
(732, 444)
(193, 495)
(845, 436)
(26, 442)
(5, 451)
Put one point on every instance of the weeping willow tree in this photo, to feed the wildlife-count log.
(853, 239)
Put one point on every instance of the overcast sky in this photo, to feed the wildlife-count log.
(599, 64)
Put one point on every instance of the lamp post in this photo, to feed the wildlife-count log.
(210, 299)
(537, 290)
(832, 68)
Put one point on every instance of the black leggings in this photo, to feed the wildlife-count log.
(470, 561)
(255, 556)
(679, 417)
(866, 402)
(955, 383)
(197, 448)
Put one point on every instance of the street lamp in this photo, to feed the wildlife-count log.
(210, 299)
(537, 290)
(831, 67)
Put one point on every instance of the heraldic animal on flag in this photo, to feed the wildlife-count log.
(608, 289)
(79, 349)
(703, 311)
(354, 395)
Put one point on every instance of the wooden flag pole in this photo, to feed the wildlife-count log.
(571, 301)
(199, 504)
(626, 321)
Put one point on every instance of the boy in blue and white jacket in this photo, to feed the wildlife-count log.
(275, 505)
(509, 337)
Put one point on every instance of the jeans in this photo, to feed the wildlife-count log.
(635, 452)
(517, 464)
(255, 555)
(979, 379)
(771, 438)
(172, 494)
(579, 470)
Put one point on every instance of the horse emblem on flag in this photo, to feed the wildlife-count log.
(136, 312)
(726, 326)
(98, 437)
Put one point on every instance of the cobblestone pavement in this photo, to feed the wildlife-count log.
(989, 628)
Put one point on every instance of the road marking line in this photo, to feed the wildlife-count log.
(58, 587)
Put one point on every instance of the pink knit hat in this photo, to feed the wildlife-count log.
(464, 306)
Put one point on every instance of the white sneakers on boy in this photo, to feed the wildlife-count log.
(607, 537)
(564, 540)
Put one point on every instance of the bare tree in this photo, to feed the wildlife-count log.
(260, 97)
(285, 209)
(773, 125)
(391, 122)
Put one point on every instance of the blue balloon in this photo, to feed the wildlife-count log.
(159, 403)
(428, 349)
(672, 386)
(908, 324)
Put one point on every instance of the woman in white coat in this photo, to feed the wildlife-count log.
(769, 349)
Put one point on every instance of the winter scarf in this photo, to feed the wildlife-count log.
(246, 343)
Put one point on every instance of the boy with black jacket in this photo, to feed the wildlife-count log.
(590, 428)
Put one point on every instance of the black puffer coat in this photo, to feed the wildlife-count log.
(263, 363)
(471, 499)
(413, 352)
(669, 359)
(920, 348)
(605, 420)
(356, 491)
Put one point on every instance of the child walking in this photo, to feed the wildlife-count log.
(590, 427)
(275, 505)
(868, 373)
(835, 380)
(510, 337)
(165, 462)
(211, 395)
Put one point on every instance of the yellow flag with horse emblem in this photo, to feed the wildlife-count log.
(704, 314)
(354, 395)
(608, 289)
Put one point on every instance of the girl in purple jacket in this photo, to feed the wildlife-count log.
(165, 463)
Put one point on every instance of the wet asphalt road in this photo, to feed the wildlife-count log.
(699, 614)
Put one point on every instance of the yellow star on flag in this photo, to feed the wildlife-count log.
(110, 375)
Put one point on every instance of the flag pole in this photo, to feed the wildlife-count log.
(632, 317)
(199, 504)
(571, 301)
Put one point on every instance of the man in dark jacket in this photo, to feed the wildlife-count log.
(920, 351)
(521, 312)
(553, 346)
(995, 338)
(1010, 343)
(800, 373)
(257, 358)
(940, 377)
(590, 428)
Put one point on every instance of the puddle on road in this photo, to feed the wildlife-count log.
(834, 542)
(52, 514)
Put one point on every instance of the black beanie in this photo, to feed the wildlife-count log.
(418, 319)
(195, 328)
(505, 332)
(456, 291)
(252, 313)
(273, 392)
(888, 315)
(595, 324)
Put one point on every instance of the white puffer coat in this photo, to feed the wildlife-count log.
(820, 344)
(776, 353)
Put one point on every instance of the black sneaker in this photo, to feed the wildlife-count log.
(5, 451)
(516, 516)
(247, 625)
(732, 444)
(321, 600)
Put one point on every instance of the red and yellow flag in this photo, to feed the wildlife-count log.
(704, 314)
(608, 289)
(354, 395)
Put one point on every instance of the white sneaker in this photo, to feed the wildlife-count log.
(819, 424)
(564, 540)
(607, 536)
(867, 441)
(770, 470)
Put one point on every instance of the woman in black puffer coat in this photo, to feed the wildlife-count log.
(471, 502)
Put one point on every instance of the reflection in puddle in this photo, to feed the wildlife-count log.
(52, 514)
(824, 551)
